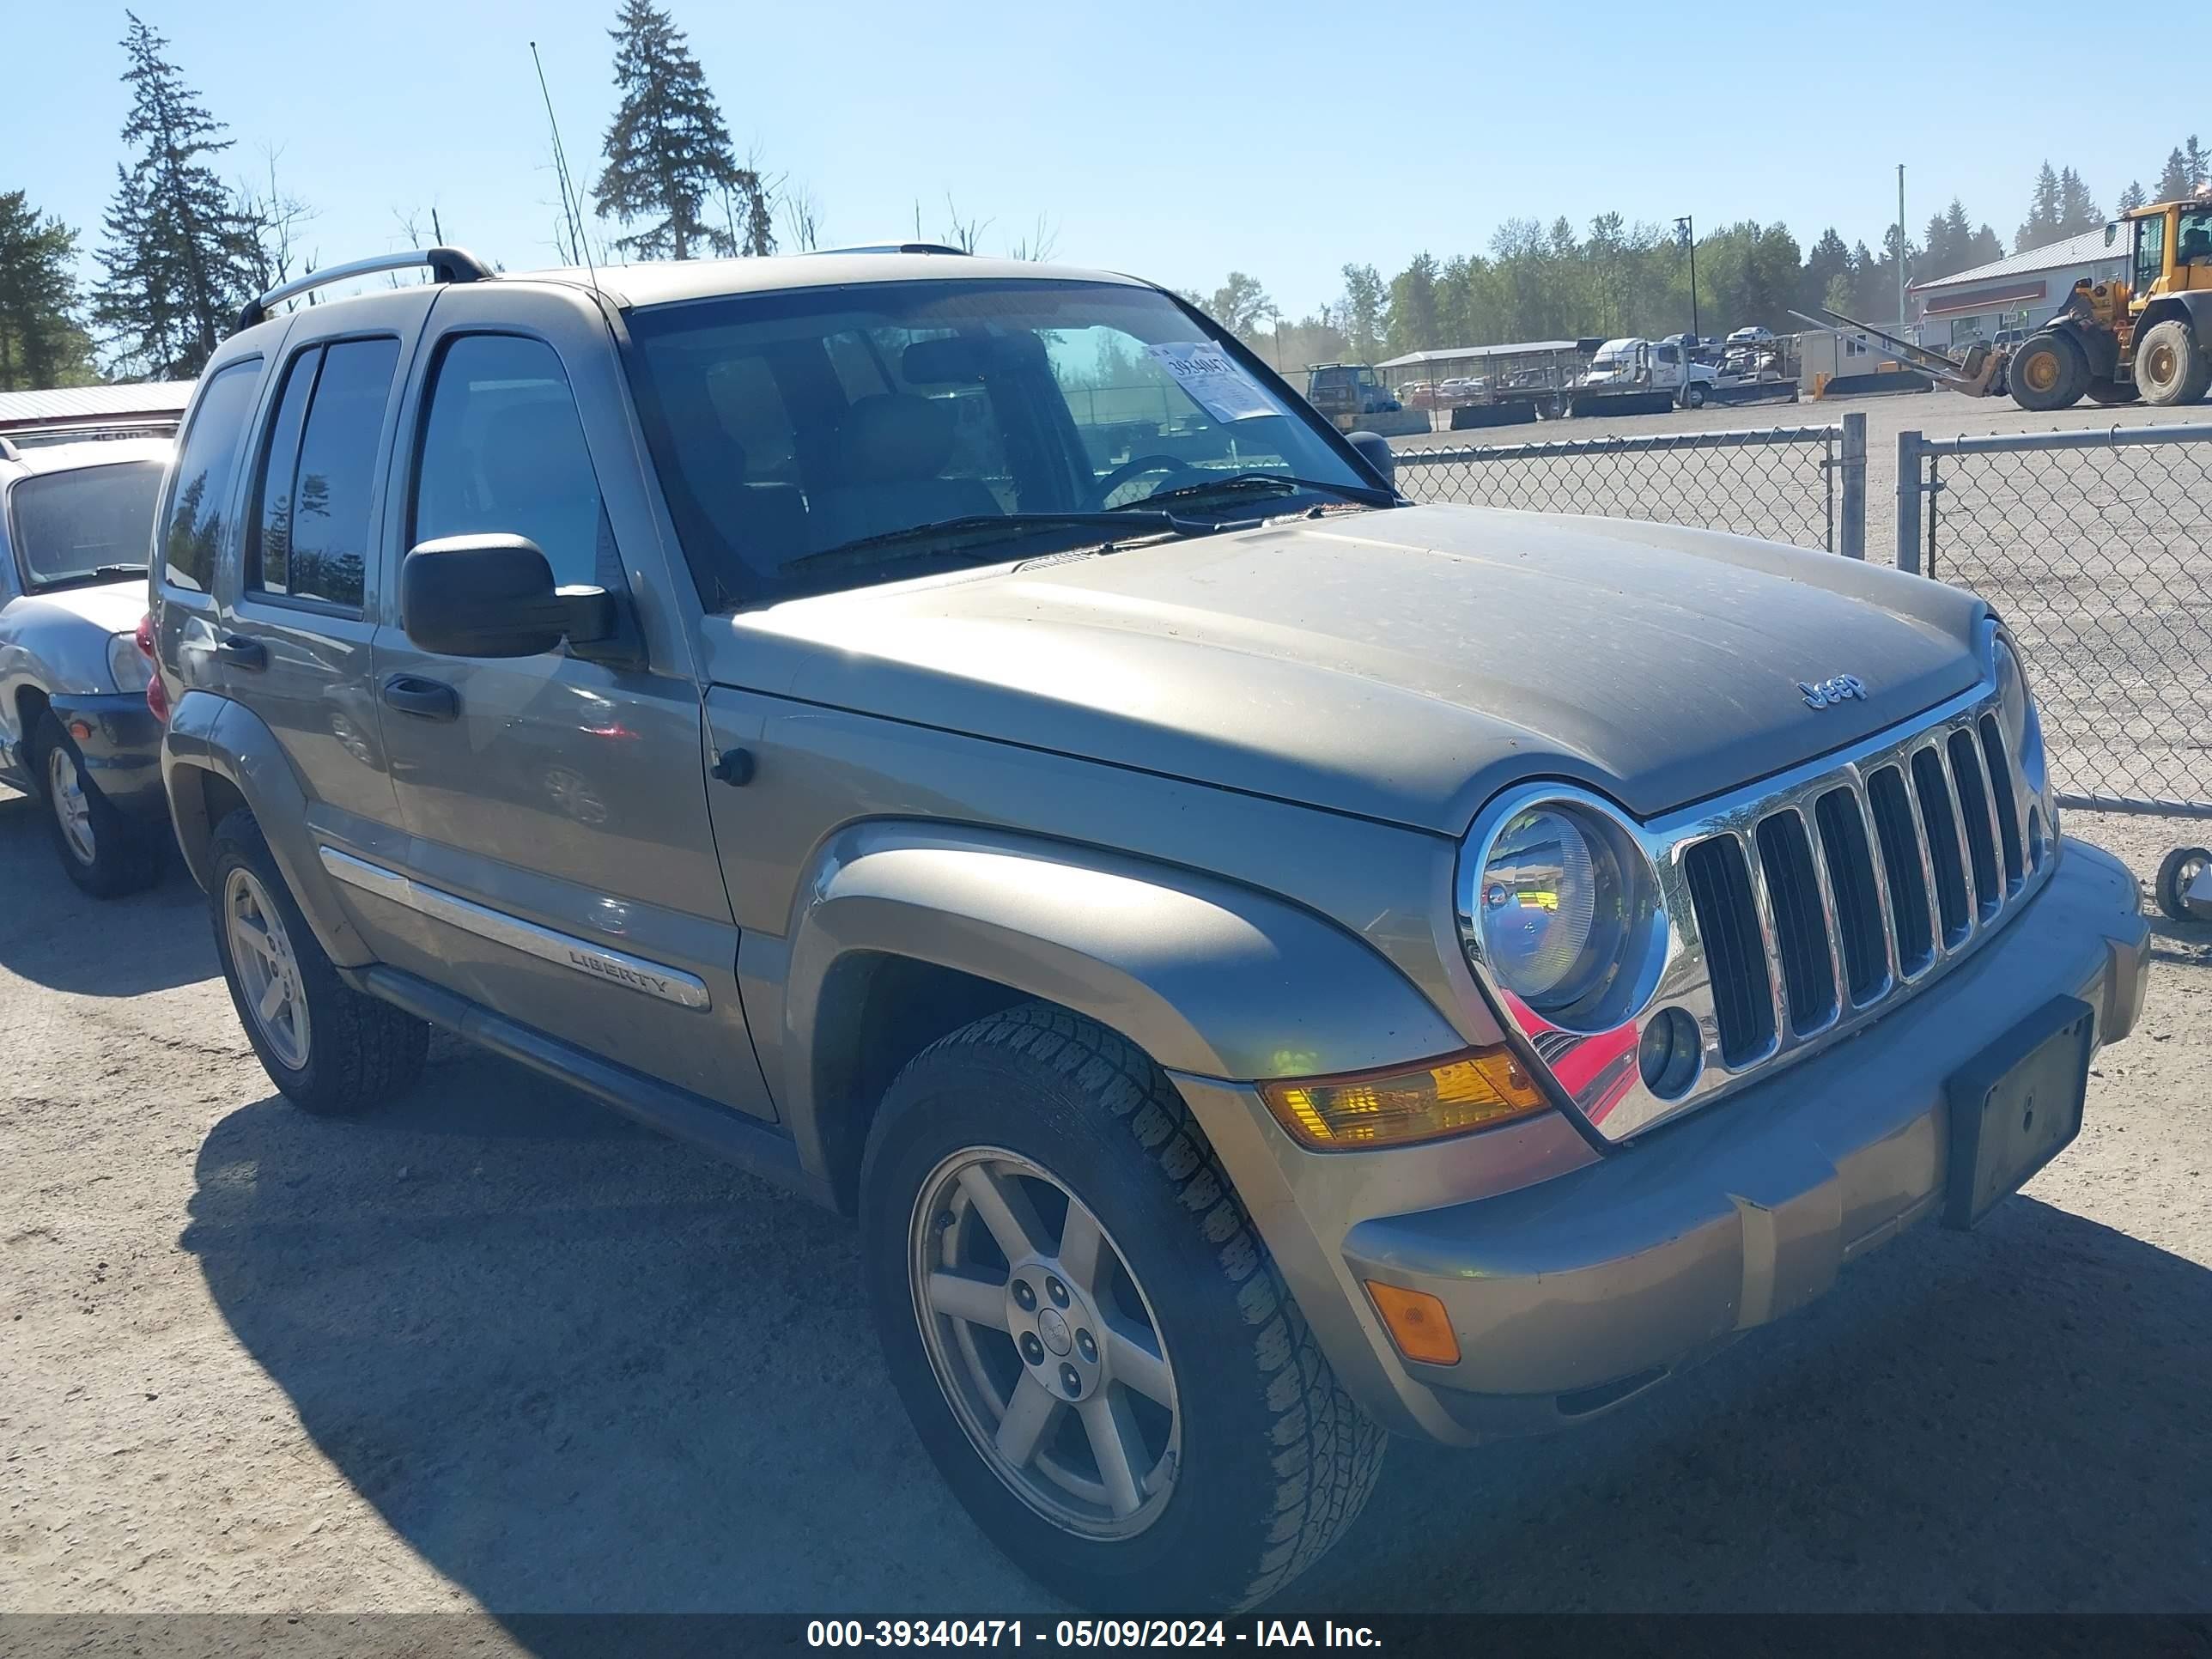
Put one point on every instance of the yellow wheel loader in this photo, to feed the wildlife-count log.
(2147, 336)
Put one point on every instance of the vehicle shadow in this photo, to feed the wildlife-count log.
(56, 936)
(579, 1367)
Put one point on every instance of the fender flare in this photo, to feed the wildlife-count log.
(213, 736)
(2193, 305)
(1206, 976)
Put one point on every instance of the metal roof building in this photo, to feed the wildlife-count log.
(85, 410)
(2019, 291)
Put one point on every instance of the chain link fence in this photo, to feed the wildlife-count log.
(2096, 548)
(1805, 484)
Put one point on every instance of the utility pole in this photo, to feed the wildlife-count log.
(1900, 248)
(1688, 226)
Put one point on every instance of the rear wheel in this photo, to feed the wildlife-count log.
(2048, 372)
(330, 1049)
(1093, 1344)
(104, 853)
(2172, 365)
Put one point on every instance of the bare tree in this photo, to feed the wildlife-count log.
(802, 215)
(1039, 245)
(966, 234)
(270, 220)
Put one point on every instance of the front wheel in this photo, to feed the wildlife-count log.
(2048, 372)
(1694, 396)
(104, 853)
(1093, 1344)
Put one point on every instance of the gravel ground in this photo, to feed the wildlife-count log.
(495, 1349)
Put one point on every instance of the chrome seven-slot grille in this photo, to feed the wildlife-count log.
(1818, 905)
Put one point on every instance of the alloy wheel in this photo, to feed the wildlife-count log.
(72, 811)
(1044, 1344)
(268, 971)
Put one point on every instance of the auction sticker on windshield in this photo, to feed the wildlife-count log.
(1213, 378)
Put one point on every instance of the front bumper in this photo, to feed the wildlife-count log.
(1571, 1293)
(121, 743)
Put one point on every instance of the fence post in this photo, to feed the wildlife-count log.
(1908, 502)
(1851, 533)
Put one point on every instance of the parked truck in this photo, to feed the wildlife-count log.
(1635, 376)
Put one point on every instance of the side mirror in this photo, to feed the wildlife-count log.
(493, 595)
(1375, 449)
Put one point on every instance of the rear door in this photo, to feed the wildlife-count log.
(300, 609)
(563, 866)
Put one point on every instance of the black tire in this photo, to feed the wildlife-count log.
(361, 1052)
(2175, 872)
(2172, 364)
(2111, 393)
(125, 856)
(2048, 372)
(1276, 1459)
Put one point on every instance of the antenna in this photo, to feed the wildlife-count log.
(568, 199)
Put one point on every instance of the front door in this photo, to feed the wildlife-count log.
(558, 848)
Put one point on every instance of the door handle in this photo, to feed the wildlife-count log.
(429, 700)
(240, 652)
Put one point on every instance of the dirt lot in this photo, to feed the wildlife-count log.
(496, 1349)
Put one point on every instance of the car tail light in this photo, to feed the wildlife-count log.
(157, 695)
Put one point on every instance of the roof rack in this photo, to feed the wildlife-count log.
(9, 452)
(448, 265)
(894, 247)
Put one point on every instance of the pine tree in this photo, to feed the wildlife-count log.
(668, 158)
(2196, 164)
(178, 258)
(2041, 224)
(2132, 197)
(2173, 183)
(41, 342)
(2077, 210)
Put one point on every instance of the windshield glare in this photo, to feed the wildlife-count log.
(786, 425)
(67, 524)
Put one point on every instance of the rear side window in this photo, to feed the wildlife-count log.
(319, 474)
(196, 529)
(504, 453)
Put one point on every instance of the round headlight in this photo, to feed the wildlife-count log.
(1564, 913)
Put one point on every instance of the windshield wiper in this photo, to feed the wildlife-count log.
(1279, 483)
(118, 572)
(977, 530)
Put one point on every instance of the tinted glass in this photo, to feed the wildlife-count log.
(503, 453)
(268, 560)
(68, 525)
(196, 530)
(790, 425)
(332, 488)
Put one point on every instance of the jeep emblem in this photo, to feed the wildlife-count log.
(1827, 694)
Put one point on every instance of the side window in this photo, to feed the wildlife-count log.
(316, 500)
(196, 529)
(503, 453)
(2195, 247)
(2150, 252)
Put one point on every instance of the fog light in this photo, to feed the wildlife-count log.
(1417, 1323)
(1669, 1055)
(1473, 1091)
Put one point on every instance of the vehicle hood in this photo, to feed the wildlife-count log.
(1401, 664)
(112, 607)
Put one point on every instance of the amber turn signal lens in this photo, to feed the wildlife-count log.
(1448, 1097)
(1418, 1322)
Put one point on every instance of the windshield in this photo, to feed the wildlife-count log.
(787, 426)
(76, 526)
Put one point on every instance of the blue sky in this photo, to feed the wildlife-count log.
(1174, 141)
